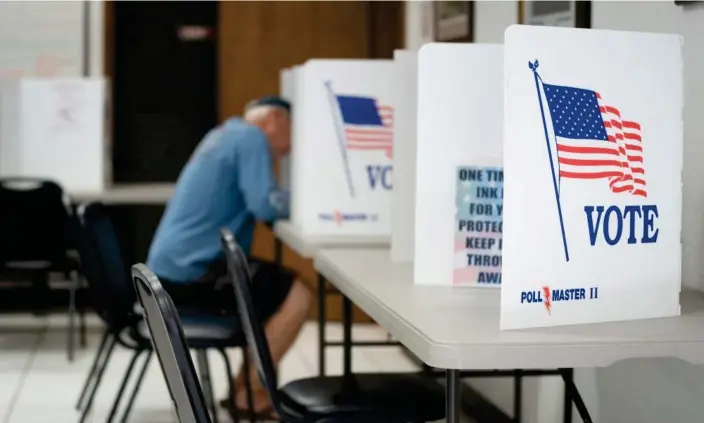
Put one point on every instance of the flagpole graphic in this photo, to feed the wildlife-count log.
(340, 136)
(534, 68)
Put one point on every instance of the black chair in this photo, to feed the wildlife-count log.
(37, 234)
(391, 397)
(170, 345)
(114, 299)
(172, 350)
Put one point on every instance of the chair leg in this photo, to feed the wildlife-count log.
(40, 285)
(94, 367)
(72, 319)
(83, 342)
(123, 385)
(206, 383)
(248, 385)
(231, 397)
(98, 378)
(138, 385)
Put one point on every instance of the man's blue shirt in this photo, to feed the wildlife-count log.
(228, 182)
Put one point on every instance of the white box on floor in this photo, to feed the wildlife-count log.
(593, 144)
(54, 128)
(460, 115)
(342, 146)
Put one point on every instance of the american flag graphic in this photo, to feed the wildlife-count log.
(594, 142)
(367, 125)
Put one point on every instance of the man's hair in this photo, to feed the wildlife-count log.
(261, 106)
(257, 111)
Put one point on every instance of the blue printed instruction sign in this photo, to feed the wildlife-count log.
(478, 225)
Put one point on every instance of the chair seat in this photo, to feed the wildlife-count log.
(405, 396)
(204, 332)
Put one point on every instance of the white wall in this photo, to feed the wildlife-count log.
(643, 391)
(50, 32)
(96, 34)
(419, 24)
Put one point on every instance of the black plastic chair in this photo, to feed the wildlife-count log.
(37, 234)
(170, 345)
(114, 299)
(171, 348)
(362, 397)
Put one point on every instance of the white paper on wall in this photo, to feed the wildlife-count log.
(593, 161)
(460, 116)
(54, 128)
(343, 142)
(404, 160)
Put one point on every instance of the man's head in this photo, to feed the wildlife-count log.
(272, 116)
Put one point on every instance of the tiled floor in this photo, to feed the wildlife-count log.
(39, 385)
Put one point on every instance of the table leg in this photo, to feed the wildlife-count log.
(517, 395)
(347, 335)
(452, 396)
(572, 395)
(72, 317)
(321, 325)
(567, 402)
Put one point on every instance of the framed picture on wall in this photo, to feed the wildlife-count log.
(571, 14)
(453, 21)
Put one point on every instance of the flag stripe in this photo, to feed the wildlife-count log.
(583, 152)
(372, 137)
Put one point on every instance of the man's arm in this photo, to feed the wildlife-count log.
(262, 195)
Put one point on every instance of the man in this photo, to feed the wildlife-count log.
(229, 182)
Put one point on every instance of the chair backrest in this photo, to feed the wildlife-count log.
(253, 329)
(112, 294)
(34, 221)
(170, 345)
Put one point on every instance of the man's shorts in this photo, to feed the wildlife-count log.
(214, 292)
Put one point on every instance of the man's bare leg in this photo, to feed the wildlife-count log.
(281, 331)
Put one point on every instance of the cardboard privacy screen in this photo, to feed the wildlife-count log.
(593, 189)
(405, 100)
(54, 128)
(458, 174)
(342, 147)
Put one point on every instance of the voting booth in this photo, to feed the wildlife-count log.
(342, 147)
(405, 101)
(593, 187)
(55, 128)
(286, 85)
(459, 173)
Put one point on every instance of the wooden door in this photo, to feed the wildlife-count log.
(258, 39)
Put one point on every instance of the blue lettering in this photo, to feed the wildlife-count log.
(593, 227)
(632, 210)
(531, 297)
(381, 175)
(613, 222)
(619, 225)
(569, 294)
(649, 223)
(489, 277)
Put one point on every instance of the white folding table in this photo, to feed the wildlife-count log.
(128, 194)
(458, 328)
(306, 246)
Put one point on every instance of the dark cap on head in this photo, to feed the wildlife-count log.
(269, 101)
